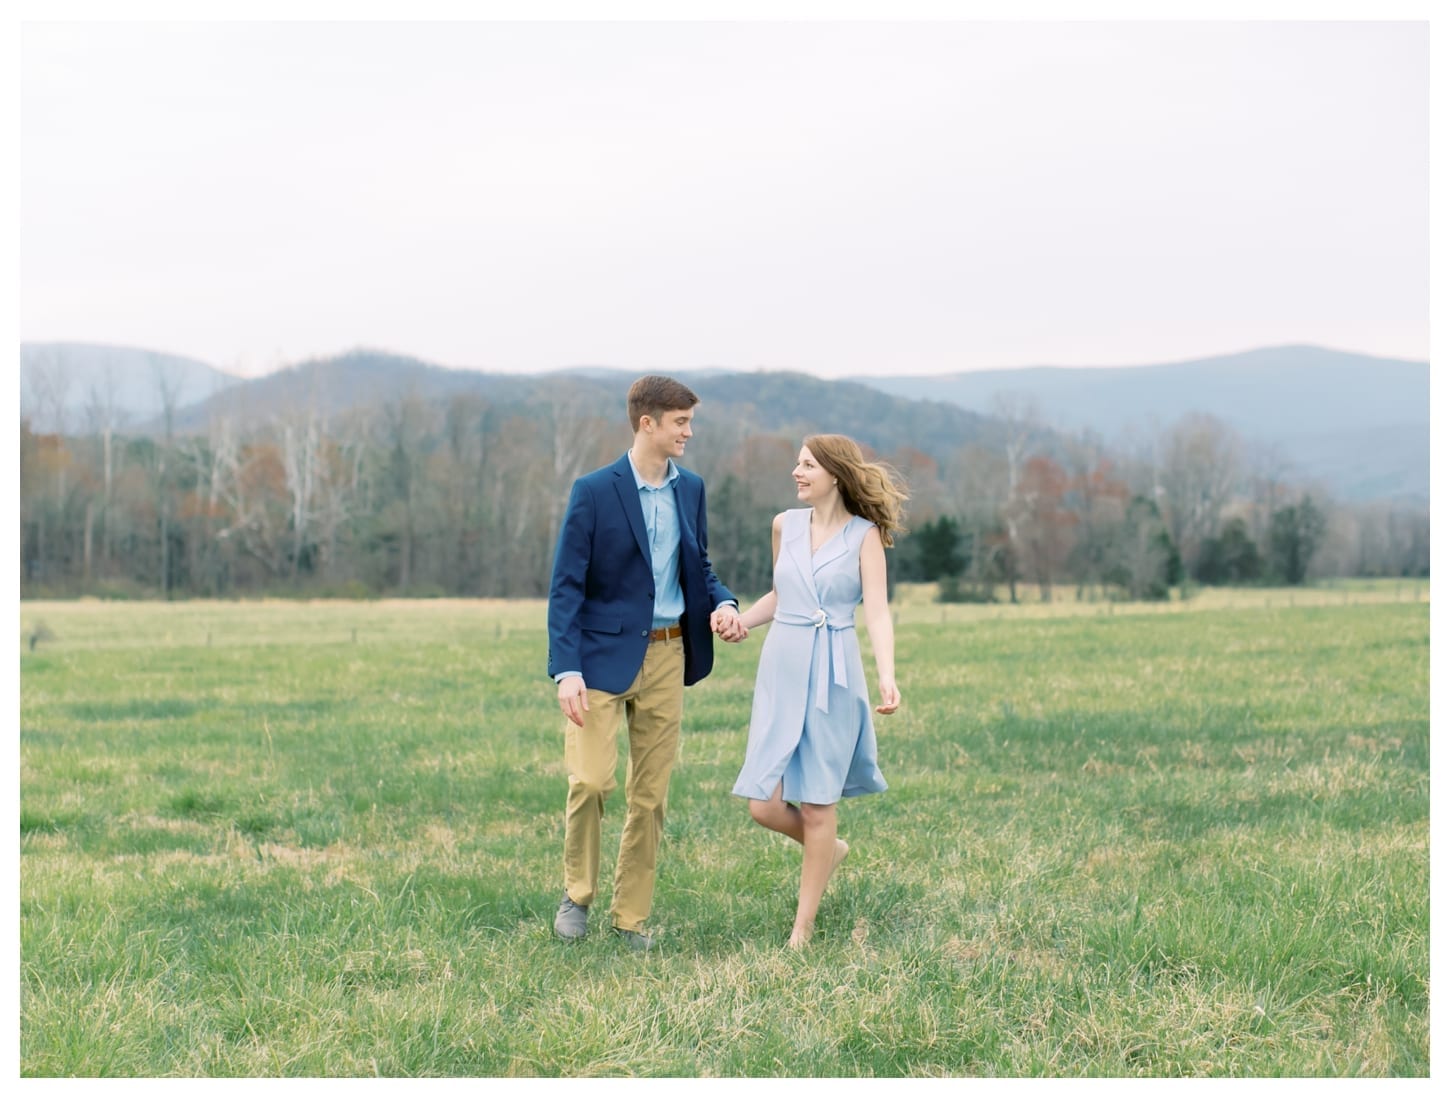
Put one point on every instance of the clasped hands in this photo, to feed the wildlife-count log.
(574, 695)
(725, 623)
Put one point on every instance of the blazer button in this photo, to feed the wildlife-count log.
(644, 632)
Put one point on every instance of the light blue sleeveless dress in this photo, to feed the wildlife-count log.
(810, 723)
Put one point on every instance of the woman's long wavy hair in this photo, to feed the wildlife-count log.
(871, 489)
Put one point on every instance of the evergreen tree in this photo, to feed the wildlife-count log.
(1295, 532)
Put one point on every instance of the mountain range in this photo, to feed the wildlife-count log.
(1358, 424)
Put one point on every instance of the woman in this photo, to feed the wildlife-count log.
(811, 737)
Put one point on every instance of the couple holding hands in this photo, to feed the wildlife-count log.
(634, 606)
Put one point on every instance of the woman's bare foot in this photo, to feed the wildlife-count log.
(799, 938)
(842, 849)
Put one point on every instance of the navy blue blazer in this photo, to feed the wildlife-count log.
(602, 596)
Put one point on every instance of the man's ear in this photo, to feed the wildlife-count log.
(647, 423)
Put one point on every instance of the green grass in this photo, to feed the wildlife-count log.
(292, 839)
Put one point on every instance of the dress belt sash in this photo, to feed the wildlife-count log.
(830, 657)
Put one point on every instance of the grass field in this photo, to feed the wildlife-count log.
(292, 839)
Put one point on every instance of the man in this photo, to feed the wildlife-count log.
(633, 608)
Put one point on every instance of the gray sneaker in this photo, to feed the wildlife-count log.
(572, 921)
(637, 941)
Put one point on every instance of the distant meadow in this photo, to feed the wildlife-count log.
(288, 839)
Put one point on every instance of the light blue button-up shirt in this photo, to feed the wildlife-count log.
(662, 528)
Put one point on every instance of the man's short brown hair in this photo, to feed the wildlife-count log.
(654, 395)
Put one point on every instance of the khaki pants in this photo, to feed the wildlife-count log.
(652, 706)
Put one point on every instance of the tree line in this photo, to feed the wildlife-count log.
(463, 497)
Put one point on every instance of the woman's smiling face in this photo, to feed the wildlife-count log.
(812, 482)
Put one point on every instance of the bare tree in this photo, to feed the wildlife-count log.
(168, 383)
(168, 391)
(401, 427)
(104, 417)
(1267, 473)
(1201, 463)
(520, 480)
(249, 484)
(48, 391)
(49, 379)
(1098, 497)
(1022, 419)
(301, 440)
(340, 476)
(1043, 525)
(578, 436)
(213, 460)
(976, 479)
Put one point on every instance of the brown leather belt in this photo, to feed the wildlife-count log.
(669, 633)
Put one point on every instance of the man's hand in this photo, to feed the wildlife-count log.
(725, 622)
(574, 698)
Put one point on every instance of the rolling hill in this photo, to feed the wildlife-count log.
(739, 403)
(1358, 423)
(66, 386)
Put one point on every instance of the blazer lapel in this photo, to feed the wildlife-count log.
(684, 512)
(629, 499)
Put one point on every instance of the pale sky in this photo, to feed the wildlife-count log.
(833, 197)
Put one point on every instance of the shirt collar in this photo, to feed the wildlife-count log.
(639, 482)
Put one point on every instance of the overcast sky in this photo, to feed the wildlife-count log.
(838, 198)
